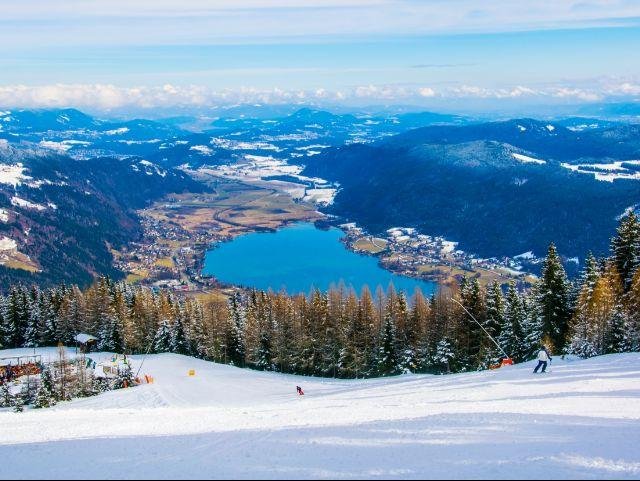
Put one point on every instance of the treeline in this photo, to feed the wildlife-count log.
(341, 334)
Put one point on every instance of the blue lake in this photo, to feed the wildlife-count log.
(299, 258)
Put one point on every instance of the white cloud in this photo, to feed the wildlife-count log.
(576, 93)
(426, 92)
(104, 97)
(625, 88)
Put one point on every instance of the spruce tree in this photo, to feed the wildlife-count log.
(615, 339)
(581, 332)
(476, 341)
(632, 308)
(388, 363)
(553, 300)
(13, 319)
(6, 398)
(178, 339)
(32, 329)
(532, 327)
(235, 334)
(495, 310)
(264, 360)
(3, 326)
(48, 320)
(511, 337)
(18, 404)
(162, 340)
(110, 336)
(626, 248)
(443, 356)
(45, 396)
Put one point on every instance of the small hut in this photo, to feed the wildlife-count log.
(85, 342)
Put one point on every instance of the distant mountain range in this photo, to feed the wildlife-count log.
(500, 188)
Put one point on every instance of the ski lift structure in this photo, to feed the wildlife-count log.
(506, 360)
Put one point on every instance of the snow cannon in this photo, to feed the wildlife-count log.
(507, 361)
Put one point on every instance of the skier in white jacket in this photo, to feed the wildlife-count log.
(543, 359)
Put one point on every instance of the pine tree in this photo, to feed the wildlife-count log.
(581, 328)
(13, 319)
(110, 336)
(124, 379)
(475, 339)
(32, 329)
(18, 404)
(632, 311)
(532, 327)
(45, 396)
(626, 248)
(162, 341)
(6, 398)
(615, 340)
(553, 301)
(495, 310)
(443, 356)
(3, 326)
(235, 335)
(264, 361)
(388, 363)
(178, 339)
(48, 320)
(511, 337)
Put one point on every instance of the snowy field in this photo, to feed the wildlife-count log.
(581, 420)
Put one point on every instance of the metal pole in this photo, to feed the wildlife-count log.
(481, 326)
(146, 353)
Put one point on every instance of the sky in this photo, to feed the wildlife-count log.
(107, 55)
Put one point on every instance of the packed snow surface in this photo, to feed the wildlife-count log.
(581, 420)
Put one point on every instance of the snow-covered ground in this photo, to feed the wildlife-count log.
(581, 420)
(607, 172)
(528, 160)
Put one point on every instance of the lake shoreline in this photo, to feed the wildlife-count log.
(353, 268)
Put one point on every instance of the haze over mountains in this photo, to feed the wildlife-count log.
(70, 183)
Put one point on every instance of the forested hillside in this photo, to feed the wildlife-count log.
(499, 188)
(61, 216)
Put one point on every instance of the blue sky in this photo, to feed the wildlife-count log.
(110, 54)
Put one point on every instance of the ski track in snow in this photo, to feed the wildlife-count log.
(579, 421)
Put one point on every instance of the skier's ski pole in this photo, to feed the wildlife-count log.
(481, 326)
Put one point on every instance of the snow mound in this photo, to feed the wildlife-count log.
(580, 420)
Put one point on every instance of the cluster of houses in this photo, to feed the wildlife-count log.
(407, 249)
(164, 265)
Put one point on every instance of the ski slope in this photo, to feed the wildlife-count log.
(579, 421)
